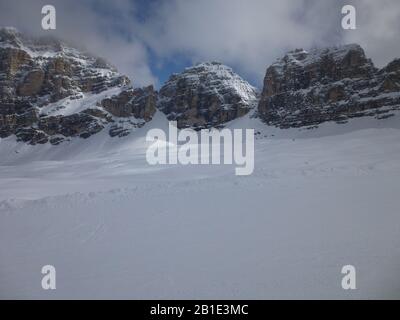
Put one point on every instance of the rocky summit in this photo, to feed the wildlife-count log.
(206, 95)
(333, 84)
(50, 91)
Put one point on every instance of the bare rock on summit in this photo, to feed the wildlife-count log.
(332, 84)
(206, 95)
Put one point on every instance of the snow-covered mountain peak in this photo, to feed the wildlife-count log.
(314, 55)
(210, 67)
(44, 48)
(51, 91)
(329, 84)
(207, 94)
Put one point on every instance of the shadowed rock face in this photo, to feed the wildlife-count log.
(140, 103)
(41, 78)
(206, 95)
(333, 84)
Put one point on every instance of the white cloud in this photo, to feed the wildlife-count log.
(251, 34)
(248, 35)
(378, 27)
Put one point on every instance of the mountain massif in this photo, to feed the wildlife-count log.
(332, 84)
(50, 92)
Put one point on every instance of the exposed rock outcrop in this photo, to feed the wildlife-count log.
(333, 84)
(206, 95)
(139, 102)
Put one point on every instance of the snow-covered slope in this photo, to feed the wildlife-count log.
(115, 227)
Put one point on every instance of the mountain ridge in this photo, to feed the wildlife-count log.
(51, 92)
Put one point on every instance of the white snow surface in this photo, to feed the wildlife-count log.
(68, 106)
(115, 227)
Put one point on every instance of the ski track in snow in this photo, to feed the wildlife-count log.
(115, 227)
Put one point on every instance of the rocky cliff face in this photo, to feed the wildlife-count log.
(333, 84)
(50, 91)
(206, 95)
(139, 103)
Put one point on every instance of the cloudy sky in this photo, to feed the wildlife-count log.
(150, 39)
